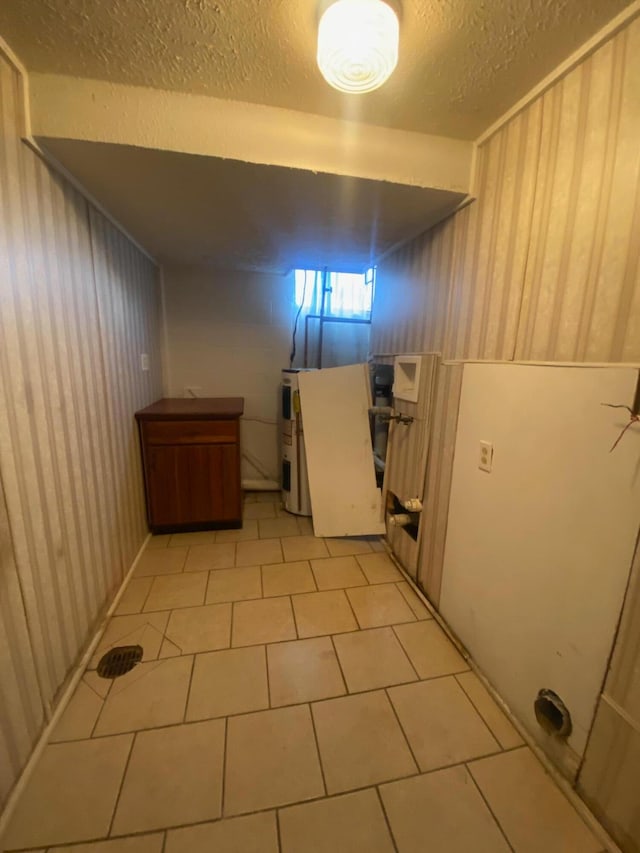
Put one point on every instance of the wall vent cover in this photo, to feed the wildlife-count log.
(119, 661)
(552, 714)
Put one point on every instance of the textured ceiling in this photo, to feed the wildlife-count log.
(462, 62)
(234, 215)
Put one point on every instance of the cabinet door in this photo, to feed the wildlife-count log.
(193, 484)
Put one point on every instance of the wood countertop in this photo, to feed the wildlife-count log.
(193, 408)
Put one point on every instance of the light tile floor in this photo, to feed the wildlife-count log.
(295, 696)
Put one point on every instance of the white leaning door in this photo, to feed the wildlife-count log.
(345, 500)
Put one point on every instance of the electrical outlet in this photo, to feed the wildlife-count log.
(144, 361)
(486, 456)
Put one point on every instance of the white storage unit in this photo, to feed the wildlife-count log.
(542, 531)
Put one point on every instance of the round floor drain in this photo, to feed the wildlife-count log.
(552, 714)
(119, 660)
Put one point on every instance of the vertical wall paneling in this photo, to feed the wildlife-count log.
(581, 293)
(623, 682)
(485, 288)
(78, 304)
(545, 265)
(129, 310)
(21, 711)
(410, 308)
(608, 779)
(437, 487)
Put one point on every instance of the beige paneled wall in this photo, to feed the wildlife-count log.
(228, 334)
(410, 309)
(130, 321)
(78, 303)
(582, 282)
(21, 710)
(545, 265)
(609, 778)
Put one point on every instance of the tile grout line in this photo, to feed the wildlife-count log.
(480, 716)
(290, 704)
(318, 752)
(97, 720)
(487, 804)
(230, 646)
(347, 692)
(420, 617)
(188, 693)
(278, 830)
(295, 621)
(233, 611)
(224, 768)
(271, 808)
(313, 575)
(386, 817)
(84, 681)
(493, 754)
(121, 786)
(479, 712)
(146, 598)
(404, 734)
(266, 665)
(345, 592)
(184, 562)
(406, 653)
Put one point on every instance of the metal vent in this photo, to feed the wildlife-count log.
(119, 660)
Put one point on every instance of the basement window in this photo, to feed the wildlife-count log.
(347, 295)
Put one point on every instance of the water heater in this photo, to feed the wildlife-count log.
(295, 483)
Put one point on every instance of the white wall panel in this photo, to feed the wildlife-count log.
(524, 582)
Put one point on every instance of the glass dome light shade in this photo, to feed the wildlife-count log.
(358, 44)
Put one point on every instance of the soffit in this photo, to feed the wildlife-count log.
(230, 214)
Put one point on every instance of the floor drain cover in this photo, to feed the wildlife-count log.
(119, 661)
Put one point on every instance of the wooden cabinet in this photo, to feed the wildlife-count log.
(191, 463)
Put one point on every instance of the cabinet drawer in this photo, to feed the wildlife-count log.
(190, 432)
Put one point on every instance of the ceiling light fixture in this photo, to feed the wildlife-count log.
(358, 44)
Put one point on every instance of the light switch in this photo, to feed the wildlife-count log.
(144, 361)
